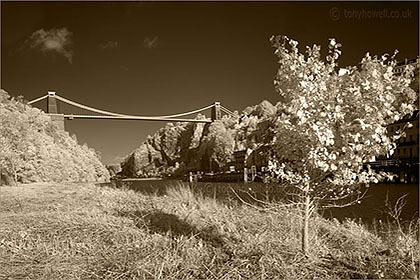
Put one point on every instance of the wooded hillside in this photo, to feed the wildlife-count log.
(33, 149)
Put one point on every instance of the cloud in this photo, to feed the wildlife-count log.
(53, 40)
(151, 43)
(109, 45)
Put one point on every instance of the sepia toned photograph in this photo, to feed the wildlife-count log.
(209, 140)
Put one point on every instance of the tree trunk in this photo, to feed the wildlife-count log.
(15, 177)
(305, 228)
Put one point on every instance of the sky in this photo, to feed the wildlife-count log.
(160, 58)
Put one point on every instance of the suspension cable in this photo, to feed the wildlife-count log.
(227, 111)
(123, 115)
(38, 99)
(224, 111)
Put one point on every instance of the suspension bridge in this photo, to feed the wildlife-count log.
(58, 118)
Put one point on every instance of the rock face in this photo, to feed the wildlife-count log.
(180, 147)
(172, 147)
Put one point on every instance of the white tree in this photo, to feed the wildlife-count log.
(332, 124)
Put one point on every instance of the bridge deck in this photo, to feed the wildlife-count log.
(70, 117)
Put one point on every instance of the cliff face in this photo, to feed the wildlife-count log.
(175, 146)
(179, 147)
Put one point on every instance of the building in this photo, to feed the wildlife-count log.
(402, 64)
(399, 68)
(405, 160)
(239, 160)
(259, 157)
(408, 146)
(249, 158)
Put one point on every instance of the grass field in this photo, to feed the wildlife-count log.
(83, 231)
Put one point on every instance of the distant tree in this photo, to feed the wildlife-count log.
(333, 122)
(10, 159)
(255, 127)
(12, 144)
(170, 137)
(218, 144)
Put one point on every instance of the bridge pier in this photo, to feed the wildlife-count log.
(58, 120)
(216, 113)
(52, 111)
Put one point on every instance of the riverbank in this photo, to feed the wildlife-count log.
(81, 231)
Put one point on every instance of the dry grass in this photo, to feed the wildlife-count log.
(82, 231)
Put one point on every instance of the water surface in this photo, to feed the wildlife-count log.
(377, 203)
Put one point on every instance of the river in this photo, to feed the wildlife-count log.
(373, 206)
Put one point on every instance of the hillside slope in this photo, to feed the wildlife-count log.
(33, 149)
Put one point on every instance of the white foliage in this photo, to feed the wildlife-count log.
(335, 122)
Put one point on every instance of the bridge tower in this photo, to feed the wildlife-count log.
(52, 111)
(216, 114)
